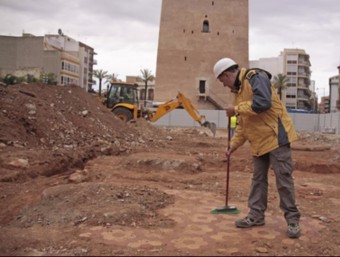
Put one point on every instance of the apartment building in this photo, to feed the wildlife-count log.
(334, 94)
(324, 105)
(70, 61)
(314, 97)
(295, 65)
(193, 36)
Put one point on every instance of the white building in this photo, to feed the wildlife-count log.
(295, 65)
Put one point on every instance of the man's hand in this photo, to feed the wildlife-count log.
(230, 111)
(229, 151)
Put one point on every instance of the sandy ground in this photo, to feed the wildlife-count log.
(76, 181)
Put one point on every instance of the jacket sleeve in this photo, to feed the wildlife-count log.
(262, 94)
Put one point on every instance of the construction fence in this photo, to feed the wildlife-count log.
(307, 122)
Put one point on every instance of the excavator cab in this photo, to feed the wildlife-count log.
(122, 99)
(121, 93)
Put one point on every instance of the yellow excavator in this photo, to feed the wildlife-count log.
(122, 100)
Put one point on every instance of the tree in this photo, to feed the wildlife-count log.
(280, 83)
(31, 79)
(48, 78)
(146, 77)
(51, 79)
(100, 74)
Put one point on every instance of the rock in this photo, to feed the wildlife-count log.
(261, 250)
(21, 163)
(79, 176)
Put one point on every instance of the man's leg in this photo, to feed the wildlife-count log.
(258, 196)
(283, 167)
(257, 200)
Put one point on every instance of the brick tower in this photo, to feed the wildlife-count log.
(193, 35)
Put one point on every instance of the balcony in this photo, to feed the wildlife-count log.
(304, 63)
(303, 74)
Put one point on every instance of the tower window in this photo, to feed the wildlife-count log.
(205, 26)
(202, 87)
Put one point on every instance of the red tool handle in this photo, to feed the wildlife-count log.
(228, 163)
(229, 131)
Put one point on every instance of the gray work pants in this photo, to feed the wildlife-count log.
(281, 161)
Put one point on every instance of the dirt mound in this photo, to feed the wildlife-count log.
(47, 129)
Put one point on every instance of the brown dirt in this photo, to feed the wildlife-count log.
(74, 180)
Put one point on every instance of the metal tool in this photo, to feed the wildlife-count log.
(227, 208)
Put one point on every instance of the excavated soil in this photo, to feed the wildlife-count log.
(76, 181)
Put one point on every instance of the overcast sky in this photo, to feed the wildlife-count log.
(124, 33)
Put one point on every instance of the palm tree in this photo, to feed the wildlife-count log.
(146, 77)
(111, 78)
(280, 83)
(100, 74)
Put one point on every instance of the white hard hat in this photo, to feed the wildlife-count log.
(222, 65)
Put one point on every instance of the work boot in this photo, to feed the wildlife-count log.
(248, 222)
(294, 230)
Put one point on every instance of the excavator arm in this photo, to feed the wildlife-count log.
(180, 101)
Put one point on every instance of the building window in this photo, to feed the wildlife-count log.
(142, 94)
(292, 68)
(292, 57)
(65, 80)
(70, 67)
(205, 26)
(151, 94)
(202, 87)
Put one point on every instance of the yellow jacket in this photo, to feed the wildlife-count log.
(260, 128)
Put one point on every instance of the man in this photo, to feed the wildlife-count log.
(264, 122)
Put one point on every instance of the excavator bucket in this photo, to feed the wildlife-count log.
(211, 126)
